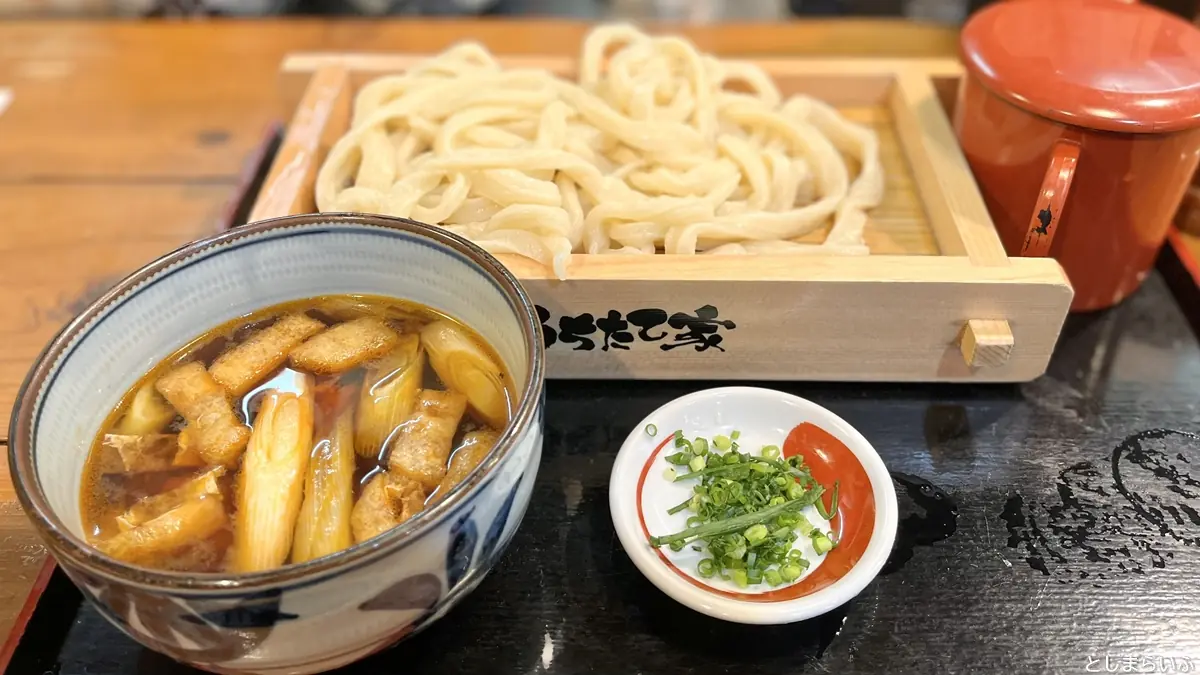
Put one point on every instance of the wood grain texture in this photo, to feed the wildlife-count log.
(324, 110)
(63, 246)
(986, 343)
(21, 557)
(956, 210)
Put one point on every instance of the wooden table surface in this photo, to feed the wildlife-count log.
(124, 140)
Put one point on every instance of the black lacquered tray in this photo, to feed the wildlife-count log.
(1047, 527)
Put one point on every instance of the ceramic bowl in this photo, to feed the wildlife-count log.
(326, 612)
(864, 524)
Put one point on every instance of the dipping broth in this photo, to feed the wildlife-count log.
(292, 434)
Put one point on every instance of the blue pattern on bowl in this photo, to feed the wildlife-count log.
(463, 538)
(497, 526)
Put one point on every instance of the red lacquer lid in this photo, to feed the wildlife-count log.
(1101, 64)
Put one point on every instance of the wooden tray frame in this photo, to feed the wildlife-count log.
(969, 314)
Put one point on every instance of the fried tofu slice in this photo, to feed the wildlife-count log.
(469, 453)
(244, 365)
(345, 346)
(148, 413)
(421, 446)
(271, 483)
(386, 501)
(189, 450)
(213, 430)
(141, 453)
(189, 523)
(323, 526)
(149, 508)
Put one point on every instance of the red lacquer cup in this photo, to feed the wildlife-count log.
(1081, 122)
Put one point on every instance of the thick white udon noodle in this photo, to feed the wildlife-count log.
(648, 151)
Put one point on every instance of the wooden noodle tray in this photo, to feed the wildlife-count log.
(938, 299)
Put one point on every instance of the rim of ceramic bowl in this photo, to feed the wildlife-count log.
(632, 461)
(22, 462)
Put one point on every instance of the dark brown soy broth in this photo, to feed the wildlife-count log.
(108, 490)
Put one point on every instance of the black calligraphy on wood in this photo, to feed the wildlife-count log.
(616, 331)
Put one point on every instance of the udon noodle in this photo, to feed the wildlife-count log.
(656, 147)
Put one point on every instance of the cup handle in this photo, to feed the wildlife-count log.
(1051, 199)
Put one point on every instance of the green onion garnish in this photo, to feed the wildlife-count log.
(790, 572)
(651, 430)
(744, 512)
(821, 543)
(679, 458)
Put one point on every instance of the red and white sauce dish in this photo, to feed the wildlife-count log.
(864, 524)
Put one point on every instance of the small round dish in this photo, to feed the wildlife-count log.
(864, 524)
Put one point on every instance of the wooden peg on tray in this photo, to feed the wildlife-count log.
(986, 343)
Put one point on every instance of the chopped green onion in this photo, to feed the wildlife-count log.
(756, 533)
(651, 430)
(833, 504)
(733, 435)
(680, 506)
(805, 527)
(718, 495)
(735, 524)
(794, 491)
(790, 572)
(744, 510)
(740, 578)
(680, 458)
(821, 543)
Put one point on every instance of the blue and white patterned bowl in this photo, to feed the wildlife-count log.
(329, 611)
